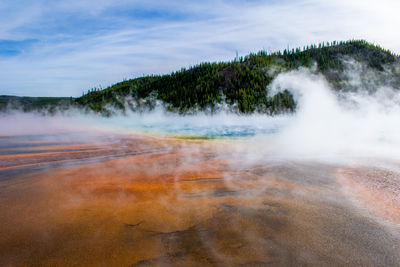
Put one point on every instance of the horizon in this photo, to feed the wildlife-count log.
(64, 49)
(270, 53)
(266, 133)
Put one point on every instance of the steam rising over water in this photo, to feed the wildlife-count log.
(326, 123)
(255, 200)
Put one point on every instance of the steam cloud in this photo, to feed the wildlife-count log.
(332, 124)
(327, 124)
(327, 127)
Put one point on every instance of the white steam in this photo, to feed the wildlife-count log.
(158, 121)
(327, 125)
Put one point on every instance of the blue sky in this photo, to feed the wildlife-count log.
(62, 48)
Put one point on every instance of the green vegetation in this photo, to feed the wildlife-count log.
(26, 103)
(240, 85)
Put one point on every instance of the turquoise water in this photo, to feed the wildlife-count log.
(210, 131)
(218, 126)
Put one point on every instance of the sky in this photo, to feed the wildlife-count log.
(64, 48)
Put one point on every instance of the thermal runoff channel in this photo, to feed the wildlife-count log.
(316, 187)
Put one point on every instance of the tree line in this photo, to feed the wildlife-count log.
(241, 84)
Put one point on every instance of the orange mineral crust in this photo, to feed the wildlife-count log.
(377, 189)
(154, 201)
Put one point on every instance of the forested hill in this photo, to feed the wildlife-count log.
(26, 103)
(242, 84)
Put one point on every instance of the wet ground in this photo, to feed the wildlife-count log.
(155, 201)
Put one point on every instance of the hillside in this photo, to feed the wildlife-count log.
(241, 84)
(26, 103)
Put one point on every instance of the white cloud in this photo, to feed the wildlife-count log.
(211, 30)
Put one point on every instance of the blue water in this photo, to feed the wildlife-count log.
(213, 132)
(218, 126)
